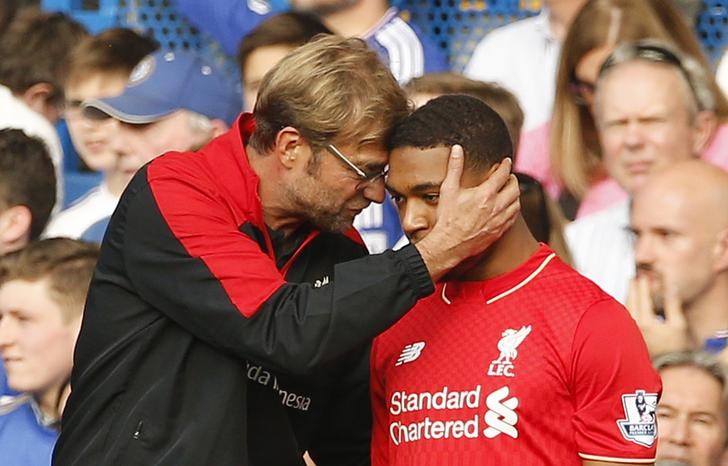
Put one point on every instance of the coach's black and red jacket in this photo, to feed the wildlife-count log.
(190, 307)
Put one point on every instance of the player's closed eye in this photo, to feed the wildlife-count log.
(431, 198)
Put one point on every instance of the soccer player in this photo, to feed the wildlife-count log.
(515, 359)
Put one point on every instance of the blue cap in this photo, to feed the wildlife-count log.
(165, 82)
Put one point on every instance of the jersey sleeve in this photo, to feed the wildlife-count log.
(187, 258)
(380, 430)
(614, 386)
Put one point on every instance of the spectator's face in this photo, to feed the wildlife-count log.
(135, 145)
(328, 193)
(414, 180)
(675, 242)
(256, 66)
(92, 137)
(644, 121)
(691, 418)
(35, 342)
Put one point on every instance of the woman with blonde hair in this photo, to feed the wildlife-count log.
(565, 154)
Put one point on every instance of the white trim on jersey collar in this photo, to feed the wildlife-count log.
(610, 459)
(514, 288)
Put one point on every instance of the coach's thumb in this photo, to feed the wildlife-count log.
(455, 163)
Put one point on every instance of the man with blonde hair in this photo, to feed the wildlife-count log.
(230, 313)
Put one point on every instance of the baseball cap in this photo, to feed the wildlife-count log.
(167, 81)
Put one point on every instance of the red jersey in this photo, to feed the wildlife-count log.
(535, 367)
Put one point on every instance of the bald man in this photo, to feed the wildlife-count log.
(680, 294)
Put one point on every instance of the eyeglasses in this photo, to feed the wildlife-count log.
(365, 179)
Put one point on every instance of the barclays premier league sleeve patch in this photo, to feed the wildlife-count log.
(640, 424)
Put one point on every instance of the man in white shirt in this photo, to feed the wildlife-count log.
(523, 57)
(653, 107)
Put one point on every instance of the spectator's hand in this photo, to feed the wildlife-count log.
(661, 335)
(469, 219)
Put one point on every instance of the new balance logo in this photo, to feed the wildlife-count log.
(501, 416)
(410, 353)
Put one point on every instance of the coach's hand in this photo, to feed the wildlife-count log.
(469, 219)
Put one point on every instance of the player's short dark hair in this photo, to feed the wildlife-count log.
(292, 28)
(496, 96)
(457, 119)
(27, 177)
(35, 48)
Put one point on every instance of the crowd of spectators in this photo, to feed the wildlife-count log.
(618, 125)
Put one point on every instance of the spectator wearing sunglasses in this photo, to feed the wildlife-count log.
(653, 106)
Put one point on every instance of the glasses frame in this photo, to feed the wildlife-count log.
(365, 179)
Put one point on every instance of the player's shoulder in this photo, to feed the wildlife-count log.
(563, 287)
